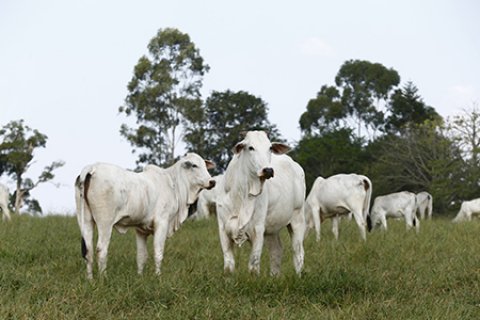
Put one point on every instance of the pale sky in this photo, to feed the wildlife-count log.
(65, 65)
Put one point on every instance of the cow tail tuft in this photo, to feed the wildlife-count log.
(84, 249)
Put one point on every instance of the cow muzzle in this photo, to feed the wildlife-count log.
(211, 184)
(267, 173)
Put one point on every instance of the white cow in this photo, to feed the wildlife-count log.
(337, 196)
(154, 201)
(424, 204)
(395, 205)
(207, 200)
(4, 194)
(468, 210)
(264, 191)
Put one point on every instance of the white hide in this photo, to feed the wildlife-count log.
(424, 204)
(4, 194)
(337, 196)
(207, 200)
(154, 201)
(468, 210)
(255, 205)
(395, 205)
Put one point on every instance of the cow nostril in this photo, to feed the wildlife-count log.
(268, 172)
(211, 184)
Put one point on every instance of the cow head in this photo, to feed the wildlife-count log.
(195, 170)
(255, 153)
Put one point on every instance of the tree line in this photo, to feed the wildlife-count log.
(366, 122)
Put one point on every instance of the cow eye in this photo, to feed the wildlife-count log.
(251, 148)
(194, 166)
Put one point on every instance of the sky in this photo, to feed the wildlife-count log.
(65, 65)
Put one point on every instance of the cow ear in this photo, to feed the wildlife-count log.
(238, 147)
(280, 148)
(210, 164)
(187, 165)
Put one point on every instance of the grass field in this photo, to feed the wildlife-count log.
(394, 275)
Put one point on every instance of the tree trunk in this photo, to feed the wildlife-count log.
(18, 196)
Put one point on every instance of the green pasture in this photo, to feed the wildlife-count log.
(394, 275)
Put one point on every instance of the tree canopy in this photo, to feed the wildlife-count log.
(163, 95)
(16, 155)
(225, 116)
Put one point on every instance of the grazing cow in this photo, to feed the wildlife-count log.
(4, 194)
(468, 210)
(264, 191)
(154, 201)
(424, 205)
(337, 196)
(207, 200)
(395, 205)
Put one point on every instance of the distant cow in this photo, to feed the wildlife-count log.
(468, 210)
(207, 200)
(154, 201)
(338, 196)
(395, 205)
(424, 205)
(264, 191)
(4, 194)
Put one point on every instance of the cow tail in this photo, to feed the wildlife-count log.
(367, 185)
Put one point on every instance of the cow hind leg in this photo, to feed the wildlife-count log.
(87, 243)
(357, 215)
(275, 249)
(104, 235)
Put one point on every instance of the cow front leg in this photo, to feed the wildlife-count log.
(227, 249)
(142, 253)
(275, 249)
(159, 237)
(257, 245)
(335, 221)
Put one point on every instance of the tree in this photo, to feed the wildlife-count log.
(364, 83)
(164, 93)
(406, 107)
(465, 130)
(225, 116)
(324, 112)
(16, 155)
(423, 158)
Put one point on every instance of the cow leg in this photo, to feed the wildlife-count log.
(142, 253)
(257, 245)
(361, 224)
(104, 235)
(159, 237)
(297, 233)
(275, 249)
(316, 221)
(227, 248)
(335, 221)
(6, 213)
(383, 220)
(87, 229)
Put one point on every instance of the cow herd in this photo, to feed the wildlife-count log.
(261, 192)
